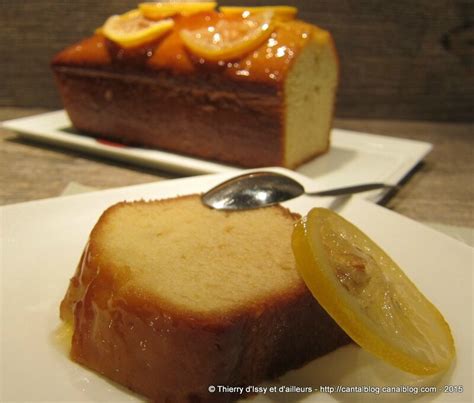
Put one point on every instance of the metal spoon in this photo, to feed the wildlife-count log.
(260, 189)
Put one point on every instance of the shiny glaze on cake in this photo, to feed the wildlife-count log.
(170, 353)
(239, 112)
(267, 64)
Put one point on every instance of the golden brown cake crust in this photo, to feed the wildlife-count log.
(208, 118)
(170, 354)
(160, 95)
(268, 64)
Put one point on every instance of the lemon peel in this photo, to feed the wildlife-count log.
(369, 296)
(229, 38)
(133, 29)
(159, 10)
(280, 12)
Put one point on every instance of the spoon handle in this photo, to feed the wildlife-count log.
(353, 189)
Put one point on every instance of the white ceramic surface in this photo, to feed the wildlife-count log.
(353, 158)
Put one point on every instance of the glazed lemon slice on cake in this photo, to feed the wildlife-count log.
(280, 12)
(369, 296)
(163, 9)
(133, 29)
(229, 37)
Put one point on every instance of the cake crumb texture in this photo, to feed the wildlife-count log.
(270, 106)
(170, 297)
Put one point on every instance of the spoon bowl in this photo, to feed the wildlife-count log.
(264, 188)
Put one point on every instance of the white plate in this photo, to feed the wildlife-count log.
(41, 243)
(353, 158)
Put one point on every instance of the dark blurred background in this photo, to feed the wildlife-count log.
(404, 59)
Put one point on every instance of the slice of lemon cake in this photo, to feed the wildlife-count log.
(245, 86)
(171, 297)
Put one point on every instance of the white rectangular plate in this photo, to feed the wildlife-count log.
(41, 243)
(353, 158)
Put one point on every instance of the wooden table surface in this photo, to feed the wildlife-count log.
(440, 190)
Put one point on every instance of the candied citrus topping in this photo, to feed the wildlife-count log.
(132, 29)
(280, 12)
(229, 38)
(161, 9)
(369, 296)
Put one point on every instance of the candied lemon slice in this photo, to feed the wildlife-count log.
(229, 38)
(369, 296)
(280, 12)
(132, 29)
(162, 9)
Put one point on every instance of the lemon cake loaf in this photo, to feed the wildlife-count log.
(171, 297)
(249, 88)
